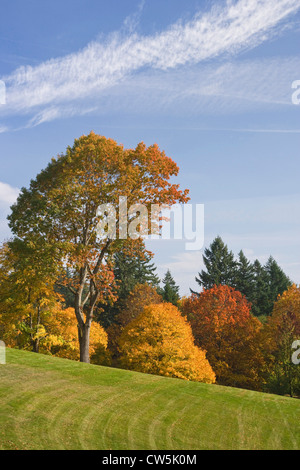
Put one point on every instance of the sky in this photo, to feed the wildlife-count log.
(211, 82)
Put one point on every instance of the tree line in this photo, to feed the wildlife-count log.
(64, 291)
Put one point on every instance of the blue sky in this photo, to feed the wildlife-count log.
(209, 82)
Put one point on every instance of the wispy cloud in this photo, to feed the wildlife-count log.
(43, 90)
(132, 21)
(8, 194)
(214, 88)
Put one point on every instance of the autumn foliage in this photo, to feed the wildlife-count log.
(141, 296)
(281, 330)
(160, 341)
(62, 336)
(286, 314)
(61, 207)
(56, 332)
(223, 325)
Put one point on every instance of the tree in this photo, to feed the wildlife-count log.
(131, 266)
(278, 280)
(31, 312)
(61, 287)
(159, 341)
(223, 326)
(134, 267)
(170, 291)
(141, 296)
(244, 279)
(260, 284)
(61, 338)
(27, 294)
(269, 282)
(220, 266)
(60, 210)
(260, 299)
(281, 330)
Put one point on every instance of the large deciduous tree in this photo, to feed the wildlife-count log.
(27, 294)
(141, 296)
(160, 341)
(223, 325)
(60, 210)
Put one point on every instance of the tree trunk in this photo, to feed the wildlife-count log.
(36, 341)
(36, 345)
(84, 343)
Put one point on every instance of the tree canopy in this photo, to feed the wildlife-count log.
(260, 284)
(58, 213)
(160, 341)
(223, 326)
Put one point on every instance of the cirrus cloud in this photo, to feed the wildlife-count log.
(46, 91)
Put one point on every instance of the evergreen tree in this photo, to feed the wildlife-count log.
(260, 298)
(134, 269)
(260, 284)
(278, 281)
(170, 291)
(270, 281)
(220, 266)
(244, 280)
(131, 267)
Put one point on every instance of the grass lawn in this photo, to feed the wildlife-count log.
(51, 403)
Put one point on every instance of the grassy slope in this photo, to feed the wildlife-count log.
(51, 403)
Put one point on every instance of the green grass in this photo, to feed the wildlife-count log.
(51, 403)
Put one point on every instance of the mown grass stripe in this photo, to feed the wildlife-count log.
(51, 403)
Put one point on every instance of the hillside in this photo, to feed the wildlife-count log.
(51, 403)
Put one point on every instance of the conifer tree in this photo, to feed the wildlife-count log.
(220, 266)
(260, 284)
(270, 282)
(244, 279)
(260, 299)
(170, 291)
(278, 281)
(131, 267)
(134, 269)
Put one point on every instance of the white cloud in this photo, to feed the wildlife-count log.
(8, 194)
(237, 26)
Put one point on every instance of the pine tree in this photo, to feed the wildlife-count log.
(244, 277)
(170, 291)
(130, 268)
(220, 266)
(260, 284)
(270, 281)
(260, 299)
(278, 281)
